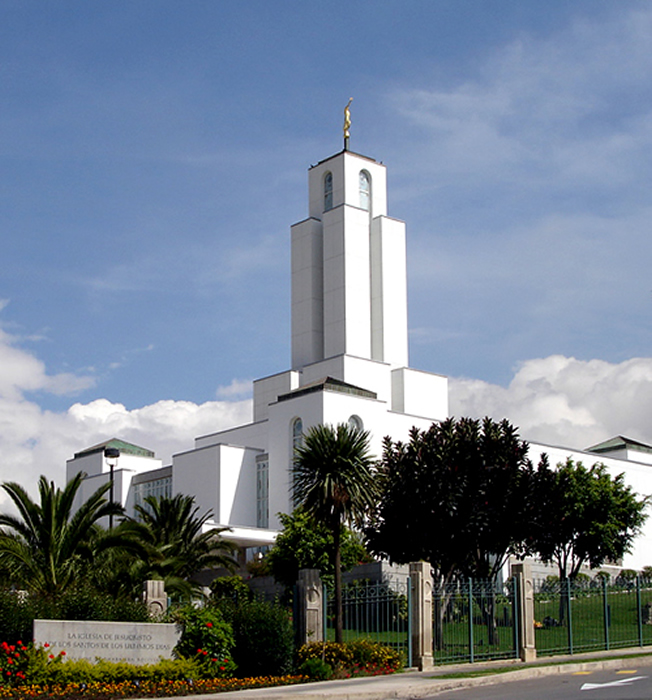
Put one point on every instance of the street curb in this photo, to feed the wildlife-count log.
(414, 685)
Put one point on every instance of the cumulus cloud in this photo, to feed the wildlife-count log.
(237, 388)
(34, 441)
(564, 401)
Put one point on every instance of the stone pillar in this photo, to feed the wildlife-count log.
(155, 597)
(523, 576)
(421, 590)
(309, 607)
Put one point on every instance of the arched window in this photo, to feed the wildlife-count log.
(365, 190)
(297, 434)
(355, 422)
(328, 191)
(297, 441)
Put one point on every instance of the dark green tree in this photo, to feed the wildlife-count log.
(48, 545)
(304, 543)
(583, 516)
(333, 477)
(456, 495)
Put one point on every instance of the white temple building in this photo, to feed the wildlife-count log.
(349, 363)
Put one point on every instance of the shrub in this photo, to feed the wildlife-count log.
(361, 657)
(16, 616)
(14, 661)
(207, 638)
(316, 670)
(231, 588)
(264, 637)
(83, 602)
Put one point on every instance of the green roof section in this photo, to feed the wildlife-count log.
(126, 448)
(620, 443)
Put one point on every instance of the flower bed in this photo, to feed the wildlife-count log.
(141, 689)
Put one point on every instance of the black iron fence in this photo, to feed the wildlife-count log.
(474, 620)
(570, 617)
(379, 611)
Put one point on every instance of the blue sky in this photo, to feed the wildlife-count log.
(153, 155)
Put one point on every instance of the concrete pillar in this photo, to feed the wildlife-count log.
(309, 607)
(421, 590)
(522, 574)
(155, 597)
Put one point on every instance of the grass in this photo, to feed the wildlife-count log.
(587, 622)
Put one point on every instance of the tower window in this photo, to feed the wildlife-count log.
(365, 190)
(262, 491)
(328, 191)
(297, 441)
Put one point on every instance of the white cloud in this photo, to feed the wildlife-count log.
(574, 107)
(34, 441)
(564, 401)
(237, 387)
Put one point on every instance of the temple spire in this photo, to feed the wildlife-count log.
(347, 124)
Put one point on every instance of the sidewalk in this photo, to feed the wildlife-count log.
(412, 685)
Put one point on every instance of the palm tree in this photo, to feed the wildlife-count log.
(176, 545)
(46, 545)
(334, 482)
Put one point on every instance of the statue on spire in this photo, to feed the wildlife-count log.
(347, 124)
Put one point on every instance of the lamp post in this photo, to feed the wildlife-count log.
(111, 455)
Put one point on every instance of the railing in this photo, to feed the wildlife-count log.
(474, 620)
(373, 610)
(570, 617)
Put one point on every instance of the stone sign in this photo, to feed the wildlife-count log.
(135, 642)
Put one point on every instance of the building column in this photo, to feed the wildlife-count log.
(309, 607)
(522, 574)
(421, 594)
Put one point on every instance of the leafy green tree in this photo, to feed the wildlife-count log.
(334, 482)
(175, 543)
(48, 544)
(583, 515)
(304, 543)
(456, 495)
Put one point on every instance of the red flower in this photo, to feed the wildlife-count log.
(63, 652)
(209, 624)
(51, 656)
(46, 645)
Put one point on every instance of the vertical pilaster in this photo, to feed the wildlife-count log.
(527, 645)
(310, 607)
(421, 590)
(155, 597)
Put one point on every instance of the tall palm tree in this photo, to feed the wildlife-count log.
(46, 545)
(176, 545)
(334, 481)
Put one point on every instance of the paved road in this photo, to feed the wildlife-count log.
(632, 681)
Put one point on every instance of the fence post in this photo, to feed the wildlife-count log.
(310, 607)
(639, 611)
(526, 638)
(605, 612)
(470, 604)
(569, 616)
(421, 612)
